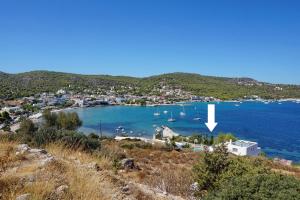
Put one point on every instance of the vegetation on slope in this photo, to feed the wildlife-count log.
(159, 168)
(221, 176)
(59, 127)
(31, 83)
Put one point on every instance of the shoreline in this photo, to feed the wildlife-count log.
(38, 115)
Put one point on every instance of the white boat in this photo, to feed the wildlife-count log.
(165, 112)
(171, 119)
(197, 118)
(182, 113)
(236, 105)
(120, 128)
(157, 113)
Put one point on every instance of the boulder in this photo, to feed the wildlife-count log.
(22, 148)
(46, 160)
(24, 197)
(128, 163)
(61, 190)
(93, 165)
(41, 151)
(125, 189)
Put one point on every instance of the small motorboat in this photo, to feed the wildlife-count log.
(157, 113)
(182, 113)
(171, 119)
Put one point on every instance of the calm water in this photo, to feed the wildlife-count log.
(276, 127)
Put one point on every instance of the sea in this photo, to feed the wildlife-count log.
(275, 125)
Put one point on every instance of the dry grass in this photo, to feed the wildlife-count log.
(78, 156)
(159, 168)
(287, 170)
(8, 157)
(162, 169)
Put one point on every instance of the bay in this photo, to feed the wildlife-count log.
(275, 126)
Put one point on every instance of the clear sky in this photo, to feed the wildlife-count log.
(253, 38)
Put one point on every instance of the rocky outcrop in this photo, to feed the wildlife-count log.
(128, 164)
(40, 155)
(24, 197)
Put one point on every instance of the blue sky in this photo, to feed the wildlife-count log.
(257, 38)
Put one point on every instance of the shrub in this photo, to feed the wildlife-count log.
(27, 127)
(223, 177)
(224, 137)
(62, 120)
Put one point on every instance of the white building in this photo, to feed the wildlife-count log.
(164, 132)
(243, 148)
(61, 91)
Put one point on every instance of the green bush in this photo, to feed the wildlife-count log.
(62, 120)
(224, 137)
(58, 128)
(220, 176)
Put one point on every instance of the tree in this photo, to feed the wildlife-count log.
(221, 176)
(5, 117)
(258, 186)
(50, 118)
(68, 121)
(224, 137)
(62, 120)
(27, 127)
(45, 135)
(209, 169)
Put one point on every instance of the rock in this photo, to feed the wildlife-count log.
(194, 186)
(128, 163)
(61, 189)
(125, 189)
(22, 148)
(93, 165)
(24, 197)
(30, 178)
(41, 151)
(46, 160)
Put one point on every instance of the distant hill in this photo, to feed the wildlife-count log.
(30, 83)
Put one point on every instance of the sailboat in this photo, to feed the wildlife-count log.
(165, 112)
(182, 113)
(157, 113)
(197, 118)
(171, 119)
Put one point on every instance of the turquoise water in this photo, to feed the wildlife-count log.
(276, 127)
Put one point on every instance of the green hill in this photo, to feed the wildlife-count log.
(30, 83)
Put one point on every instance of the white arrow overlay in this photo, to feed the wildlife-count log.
(211, 124)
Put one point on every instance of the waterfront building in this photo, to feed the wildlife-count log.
(243, 148)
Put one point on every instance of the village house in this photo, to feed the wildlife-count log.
(243, 148)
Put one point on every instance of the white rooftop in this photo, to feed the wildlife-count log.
(243, 143)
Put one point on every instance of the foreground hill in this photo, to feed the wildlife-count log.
(30, 83)
(158, 174)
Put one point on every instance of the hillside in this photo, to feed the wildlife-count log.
(57, 172)
(30, 83)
